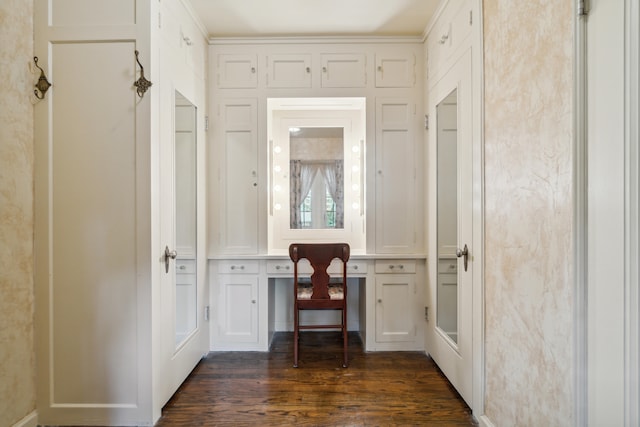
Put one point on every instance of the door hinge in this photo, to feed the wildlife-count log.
(206, 123)
(426, 313)
(426, 121)
(471, 17)
(583, 8)
(206, 313)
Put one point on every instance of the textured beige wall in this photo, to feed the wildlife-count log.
(17, 365)
(528, 171)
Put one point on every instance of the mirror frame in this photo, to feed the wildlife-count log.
(346, 113)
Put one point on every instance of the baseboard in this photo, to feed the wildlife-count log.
(30, 420)
(484, 421)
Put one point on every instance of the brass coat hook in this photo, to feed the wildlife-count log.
(142, 84)
(43, 84)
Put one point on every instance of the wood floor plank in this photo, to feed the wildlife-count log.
(377, 389)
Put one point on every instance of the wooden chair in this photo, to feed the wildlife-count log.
(320, 293)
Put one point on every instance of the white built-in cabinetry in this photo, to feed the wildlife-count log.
(243, 276)
(236, 312)
(244, 76)
(396, 294)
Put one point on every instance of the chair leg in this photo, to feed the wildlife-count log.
(296, 332)
(345, 339)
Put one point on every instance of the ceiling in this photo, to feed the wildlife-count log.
(300, 18)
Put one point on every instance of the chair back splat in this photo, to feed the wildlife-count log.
(321, 292)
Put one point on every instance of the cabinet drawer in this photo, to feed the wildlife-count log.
(395, 266)
(185, 266)
(356, 267)
(304, 268)
(239, 267)
(448, 266)
(280, 267)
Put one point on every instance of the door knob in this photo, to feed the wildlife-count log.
(464, 252)
(167, 256)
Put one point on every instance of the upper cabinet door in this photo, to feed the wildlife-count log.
(397, 203)
(397, 70)
(237, 71)
(344, 70)
(289, 71)
(236, 198)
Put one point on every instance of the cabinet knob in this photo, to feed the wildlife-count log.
(308, 69)
(253, 70)
(379, 68)
(379, 300)
(324, 69)
(253, 301)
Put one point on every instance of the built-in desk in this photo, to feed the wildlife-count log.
(252, 298)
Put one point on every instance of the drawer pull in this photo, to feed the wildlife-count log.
(240, 267)
(183, 267)
(278, 267)
(400, 266)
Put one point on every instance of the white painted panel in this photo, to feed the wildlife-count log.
(239, 115)
(237, 71)
(344, 70)
(93, 224)
(395, 71)
(289, 71)
(394, 294)
(395, 197)
(240, 203)
(93, 12)
(238, 308)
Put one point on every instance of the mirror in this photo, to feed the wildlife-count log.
(185, 209)
(447, 215)
(316, 178)
(316, 169)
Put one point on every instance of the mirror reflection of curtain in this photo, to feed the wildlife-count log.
(302, 175)
(334, 178)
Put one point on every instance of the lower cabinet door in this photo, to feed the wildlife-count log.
(395, 319)
(238, 308)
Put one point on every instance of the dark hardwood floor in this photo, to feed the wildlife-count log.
(260, 389)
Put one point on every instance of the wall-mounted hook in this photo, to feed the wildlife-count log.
(142, 83)
(43, 84)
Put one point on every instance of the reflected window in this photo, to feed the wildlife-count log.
(316, 173)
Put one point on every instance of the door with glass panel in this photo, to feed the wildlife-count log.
(450, 225)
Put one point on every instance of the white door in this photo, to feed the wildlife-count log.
(183, 327)
(450, 223)
(93, 278)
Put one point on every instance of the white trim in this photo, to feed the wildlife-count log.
(484, 421)
(478, 300)
(31, 420)
(580, 191)
(632, 197)
(225, 41)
